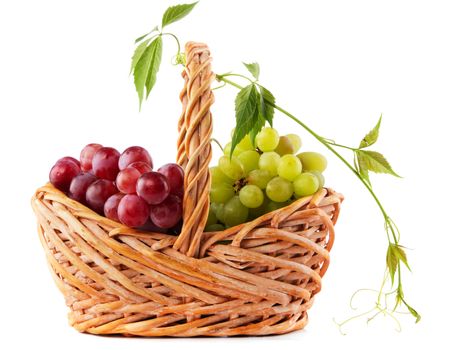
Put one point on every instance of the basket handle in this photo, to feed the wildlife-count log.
(194, 151)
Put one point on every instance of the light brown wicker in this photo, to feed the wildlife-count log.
(253, 279)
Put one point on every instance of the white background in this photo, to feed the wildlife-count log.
(336, 65)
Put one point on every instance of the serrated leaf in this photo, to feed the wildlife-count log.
(145, 71)
(372, 136)
(246, 113)
(254, 69)
(155, 65)
(391, 262)
(374, 161)
(175, 13)
(362, 169)
(401, 255)
(257, 127)
(138, 53)
(145, 35)
(267, 101)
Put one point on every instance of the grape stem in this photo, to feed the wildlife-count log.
(218, 143)
(175, 38)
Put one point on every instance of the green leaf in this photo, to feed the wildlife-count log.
(155, 65)
(145, 72)
(246, 113)
(372, 136)
(413, 312)
(266, 109)
(401, 255)
(253, 68)
(398, 300)
(362, 168)
(255, 130)
(391, 261)
(175, 13)
(138, 53)
(145, 35)
(374, 161)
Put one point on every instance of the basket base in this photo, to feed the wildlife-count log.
(270, 326)
(258, 278)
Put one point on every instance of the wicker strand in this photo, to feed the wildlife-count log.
(194, 150)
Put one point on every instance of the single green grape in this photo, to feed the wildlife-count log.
(267, 139)
(269, 161)
(289, 167)
(305, 184)
(249, 160)
(242, 146)
(227, 150)
(214, 207)
(284, 146)
(296, 142)
(245, 144)
(218, 176)
(212, 218)
(221, 193)
(312, 161)
(251, 196)
(214, 228)
(271, 205)
(231, 167)
(260, 210)
(259, 177)
(235, 212)
(320, 177)
(220, 212)
(279, 189)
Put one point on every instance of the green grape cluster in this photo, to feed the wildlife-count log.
(260, 177)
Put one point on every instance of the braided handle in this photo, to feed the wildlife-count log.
(193, 146)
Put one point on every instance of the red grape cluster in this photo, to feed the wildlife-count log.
(123, 187)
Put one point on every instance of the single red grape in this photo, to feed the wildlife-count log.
(133, 211)
(175, 176)
(134, 154)
(168, 213)
(151, 227)
(87, 154)
(111, 206)
(98, 193)
(62, 174)
(79, 185)
(127, 180)
(71, 159)
(105, 163)
(153, 187)
(142, 167)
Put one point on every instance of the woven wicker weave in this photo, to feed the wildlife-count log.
(253, 279)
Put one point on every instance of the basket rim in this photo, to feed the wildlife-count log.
(119, 228)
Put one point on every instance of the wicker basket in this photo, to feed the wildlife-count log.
(252, 279)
